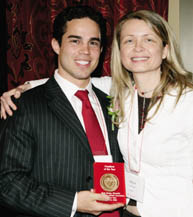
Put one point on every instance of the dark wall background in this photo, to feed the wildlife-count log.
(3, 46)
(26, 32)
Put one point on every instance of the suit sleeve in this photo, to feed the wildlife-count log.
(18, 188)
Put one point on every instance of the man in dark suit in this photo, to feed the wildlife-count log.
(46, 166)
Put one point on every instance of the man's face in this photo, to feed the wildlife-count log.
(80, 49)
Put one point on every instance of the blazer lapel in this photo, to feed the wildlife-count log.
(59, 104)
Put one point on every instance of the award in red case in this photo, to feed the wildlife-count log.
(109, 178)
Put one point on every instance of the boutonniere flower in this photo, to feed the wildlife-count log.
(112, 112)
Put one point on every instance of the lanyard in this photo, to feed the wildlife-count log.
(134, 140)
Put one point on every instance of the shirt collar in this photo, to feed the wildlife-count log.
(68, 87)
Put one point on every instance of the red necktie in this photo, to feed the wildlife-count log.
(93, 130)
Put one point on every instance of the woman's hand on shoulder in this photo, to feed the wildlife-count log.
(7, 105)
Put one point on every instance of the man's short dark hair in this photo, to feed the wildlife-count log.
(78, 12)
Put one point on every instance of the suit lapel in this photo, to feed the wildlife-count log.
(61, 107)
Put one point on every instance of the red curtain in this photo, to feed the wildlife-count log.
(29, 24)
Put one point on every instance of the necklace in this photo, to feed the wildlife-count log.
(145, 103)
(148, 91)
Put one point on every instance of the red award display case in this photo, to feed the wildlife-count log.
(109, 178)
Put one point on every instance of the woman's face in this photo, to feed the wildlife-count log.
(141, 48)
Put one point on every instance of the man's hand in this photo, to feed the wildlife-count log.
(6, 103)
(88, 203)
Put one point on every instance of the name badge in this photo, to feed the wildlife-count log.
(135, 187)
(103, 158)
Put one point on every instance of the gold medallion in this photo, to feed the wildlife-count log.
(109, 182)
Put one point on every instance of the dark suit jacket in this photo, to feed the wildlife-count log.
(45, 156)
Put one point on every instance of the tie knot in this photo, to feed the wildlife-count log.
(82, 94)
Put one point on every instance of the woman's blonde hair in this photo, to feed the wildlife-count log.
(173, 73)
